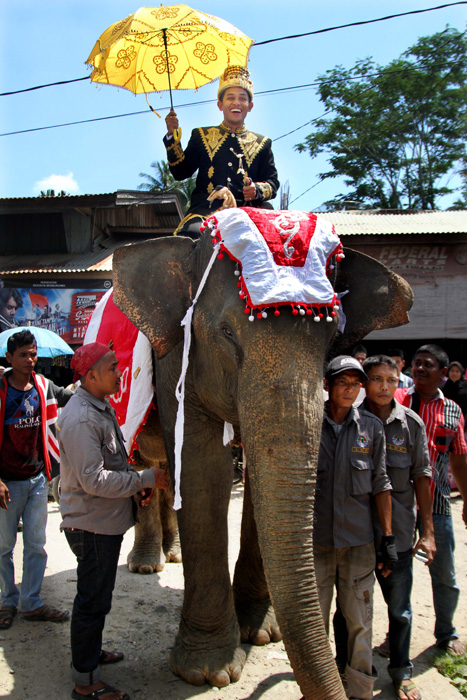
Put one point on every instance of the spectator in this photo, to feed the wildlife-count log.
(28, 409)
(444, 425)
(408, 467)
(351, 469)
(398, 356)
(360, 353)
(456, 386)
(97, 485)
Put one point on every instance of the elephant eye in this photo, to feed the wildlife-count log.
(227, 332)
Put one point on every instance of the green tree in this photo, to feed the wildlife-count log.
(461, 203)
(395, 133)
(163, 181)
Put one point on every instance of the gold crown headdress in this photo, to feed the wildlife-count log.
(235, 76)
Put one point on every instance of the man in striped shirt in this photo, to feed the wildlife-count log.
(444, 425)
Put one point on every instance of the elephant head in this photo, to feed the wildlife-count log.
(266, 378)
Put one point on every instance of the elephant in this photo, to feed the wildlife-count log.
(156, 532)
(264, 378)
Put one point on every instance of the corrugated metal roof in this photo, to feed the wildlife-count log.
(164, 202)
(96, 261)
(366, 223)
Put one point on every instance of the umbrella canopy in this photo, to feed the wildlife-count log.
(49, 344)
(160, 48)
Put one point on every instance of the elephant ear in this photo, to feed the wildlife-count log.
(152, 286)
(377, 298)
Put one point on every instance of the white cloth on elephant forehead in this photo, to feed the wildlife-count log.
(284, 255)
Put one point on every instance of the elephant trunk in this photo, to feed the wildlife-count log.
(281, 435)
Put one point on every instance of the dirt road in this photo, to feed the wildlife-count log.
(34, 658)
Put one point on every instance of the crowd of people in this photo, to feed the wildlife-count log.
(383, 496)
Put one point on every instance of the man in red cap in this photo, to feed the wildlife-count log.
(97, 485)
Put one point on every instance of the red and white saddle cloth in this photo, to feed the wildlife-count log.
(285, 257)
(133, 350)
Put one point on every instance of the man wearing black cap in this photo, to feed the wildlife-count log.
(225, 155)
(351, 471)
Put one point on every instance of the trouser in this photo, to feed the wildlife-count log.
(396, 589)
(351, 569)
(443, 578)
(28, 500)
(97, 557)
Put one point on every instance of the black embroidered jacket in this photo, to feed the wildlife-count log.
(214, 151)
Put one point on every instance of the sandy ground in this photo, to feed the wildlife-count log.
(34, 658)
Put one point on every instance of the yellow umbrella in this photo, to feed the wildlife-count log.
(160, 48)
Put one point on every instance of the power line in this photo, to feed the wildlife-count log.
(270, 41)
(290, 88)
(39, 87)
(357, 24)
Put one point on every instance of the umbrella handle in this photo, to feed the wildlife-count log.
(177, 134)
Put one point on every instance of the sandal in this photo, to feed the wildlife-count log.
(110, 657)
(98, 693)
(453, 646)
(47, 614)
(7, 613)
(399, 687)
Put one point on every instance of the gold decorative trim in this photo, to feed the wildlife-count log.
(177, 153)
(265, 190)
(212, 138)
(251, 146)
(187, 218)
(211, 172)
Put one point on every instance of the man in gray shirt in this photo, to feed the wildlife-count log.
(351, 471)
(97, 485)
(408, 465)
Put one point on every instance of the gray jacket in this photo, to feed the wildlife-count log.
(96, 480)
(351, 468)
(406, 459)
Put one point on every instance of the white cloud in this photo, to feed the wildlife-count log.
(67, 183)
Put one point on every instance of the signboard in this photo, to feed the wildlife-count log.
(62, 306)
(419, 261)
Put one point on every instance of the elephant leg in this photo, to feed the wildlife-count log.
(147, 555)
(207, 647)
(256, 616)
(170, 535)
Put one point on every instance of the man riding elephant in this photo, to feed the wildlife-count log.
(225, 155)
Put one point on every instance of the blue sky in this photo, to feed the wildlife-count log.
(49, 41)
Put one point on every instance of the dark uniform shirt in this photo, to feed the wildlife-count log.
(407, 458)
(214, 151)
(351, 468)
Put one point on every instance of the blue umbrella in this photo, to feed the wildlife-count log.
(49, 344)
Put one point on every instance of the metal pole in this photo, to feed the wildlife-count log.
(164, 31)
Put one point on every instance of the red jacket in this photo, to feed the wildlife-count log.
(51, 397)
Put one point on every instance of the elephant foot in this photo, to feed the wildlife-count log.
(174, 554)
(144, 563)
(258, 624)
(217, 665)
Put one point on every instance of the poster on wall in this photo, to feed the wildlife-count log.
(62, 306)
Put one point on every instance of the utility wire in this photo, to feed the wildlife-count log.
(39, 87)
(357, 24)
(270, 41)
(262, 93)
